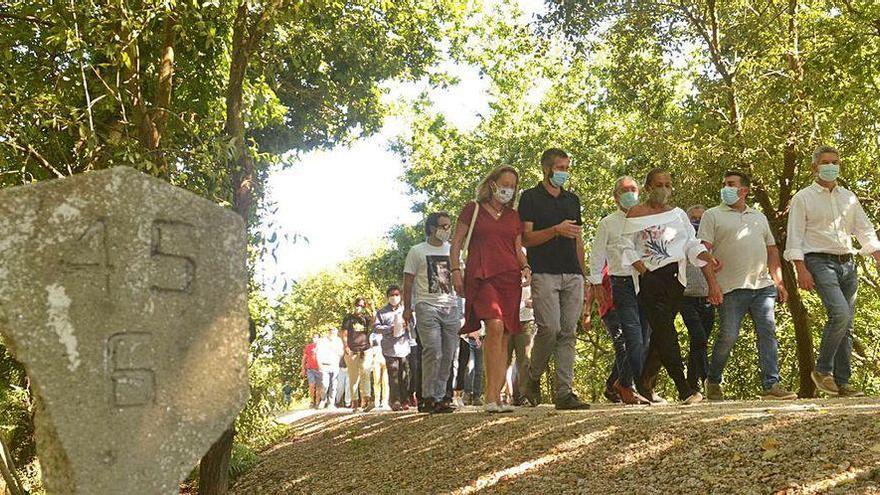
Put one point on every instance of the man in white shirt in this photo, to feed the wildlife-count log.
(751, 281)
(623, 322)
(821, 223)
(428, 286)
(329, 351)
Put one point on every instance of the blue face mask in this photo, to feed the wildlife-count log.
(629, 199)
(829, 172)
(559, 178)
(729, 195)
(696, 224)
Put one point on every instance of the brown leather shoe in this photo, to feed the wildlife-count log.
(628, 395)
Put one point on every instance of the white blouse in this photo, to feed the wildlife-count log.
(659, 240)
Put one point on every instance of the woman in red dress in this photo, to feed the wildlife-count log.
(495, 272)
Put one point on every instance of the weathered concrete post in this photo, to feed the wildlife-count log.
(125, 299)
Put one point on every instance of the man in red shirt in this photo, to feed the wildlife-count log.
(312, 371)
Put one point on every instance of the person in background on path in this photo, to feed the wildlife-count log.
(520, 347)
(343, 396)
(311, 370)
(698, 314)
(455, 383)
(461, 374)
(551, 217)
(622, 321)
(428, 293)
(469, 378)
(619, 386)
(657, 242)
(495, 272)
(355, 334)
(329, 351)
(286, 392)
(823, 219)
(453, 395)
(740, 237)
(414, 387)
(380, 372)
(395, 347)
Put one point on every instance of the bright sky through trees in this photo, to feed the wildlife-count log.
(344, 200)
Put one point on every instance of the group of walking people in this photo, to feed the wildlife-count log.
(649, 261)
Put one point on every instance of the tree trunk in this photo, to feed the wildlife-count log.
(9, 480)
(214, 468)
(803, 338)
(247, 34)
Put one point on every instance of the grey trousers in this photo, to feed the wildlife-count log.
(558, 301)
(438, 335)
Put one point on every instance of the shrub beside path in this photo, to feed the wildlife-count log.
(819, 446)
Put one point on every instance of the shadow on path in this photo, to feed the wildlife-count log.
(826, 446)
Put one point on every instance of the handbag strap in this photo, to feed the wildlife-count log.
(467, 240)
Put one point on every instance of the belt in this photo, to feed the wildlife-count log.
(840, 258)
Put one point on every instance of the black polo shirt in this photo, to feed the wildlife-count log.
(558, 255)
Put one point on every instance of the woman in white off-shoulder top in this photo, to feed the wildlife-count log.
(657, 241)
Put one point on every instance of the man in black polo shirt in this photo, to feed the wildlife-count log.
(552, 222)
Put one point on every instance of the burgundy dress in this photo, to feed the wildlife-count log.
(492, 278)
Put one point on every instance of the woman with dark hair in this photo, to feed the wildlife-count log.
(495, 272)
(657, 242)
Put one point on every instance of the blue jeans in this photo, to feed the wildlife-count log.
(836, 284)
(621, 370)
(634, 325)
(699, 318)
(760, 303)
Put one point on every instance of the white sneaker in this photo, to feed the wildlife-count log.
(693, 399)
(457, 402)
(506, 408)
(492, 407)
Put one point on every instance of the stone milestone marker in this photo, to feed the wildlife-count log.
(125, 298)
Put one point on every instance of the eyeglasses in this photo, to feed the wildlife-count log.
(445, 227)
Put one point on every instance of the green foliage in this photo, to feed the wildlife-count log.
(83, 84)
(256, 426)
(242, 460)
(16, 409)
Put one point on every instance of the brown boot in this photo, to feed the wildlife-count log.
(368, 404)
(628, 395)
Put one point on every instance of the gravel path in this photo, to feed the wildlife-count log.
(822, 446)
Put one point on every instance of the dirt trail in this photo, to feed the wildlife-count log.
(822, 446)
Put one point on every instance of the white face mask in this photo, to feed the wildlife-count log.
(394, 300)
(443, 235)
(504, 194)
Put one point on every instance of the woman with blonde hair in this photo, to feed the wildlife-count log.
(496, 269)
